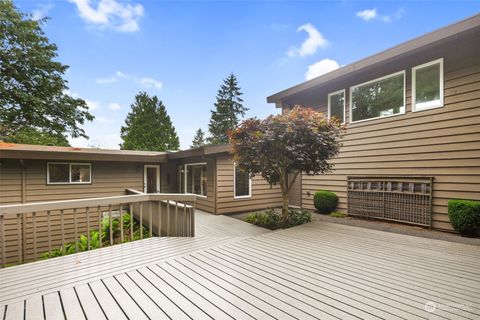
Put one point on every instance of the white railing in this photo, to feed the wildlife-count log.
(40, 230)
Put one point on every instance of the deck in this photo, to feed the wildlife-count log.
(320, 270)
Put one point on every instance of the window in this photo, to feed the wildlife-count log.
(378, 98)
(64, 173)
(336, 105)
(427, 85)
(242, 183)
(196, 179)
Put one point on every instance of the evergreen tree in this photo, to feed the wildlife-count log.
(199, 139)
(34, 104)
(148, 126)
(228, 108)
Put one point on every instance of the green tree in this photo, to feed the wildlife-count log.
(33, 136)
(32, 88)
(198, 139)
(301, 140)
(148, 126)
(228, 108)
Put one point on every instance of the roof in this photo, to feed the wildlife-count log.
(28, 151)
(404, 48)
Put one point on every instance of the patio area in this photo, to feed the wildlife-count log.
(236, 270)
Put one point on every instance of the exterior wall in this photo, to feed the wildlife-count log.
(443, 142)
(263, 196)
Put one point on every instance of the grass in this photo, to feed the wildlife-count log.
(337, 214)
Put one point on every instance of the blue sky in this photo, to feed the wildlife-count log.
(182, 50)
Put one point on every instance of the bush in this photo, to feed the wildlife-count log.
(272, 219)
(464, 216)
(325, 201)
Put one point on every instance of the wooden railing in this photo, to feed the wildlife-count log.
(40, 230)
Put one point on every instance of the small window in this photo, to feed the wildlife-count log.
(66, 173)
(427, 85)
(196, 179)
(336, 105)
(242, 183)
(383, 97)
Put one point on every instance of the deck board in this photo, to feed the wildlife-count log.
(319, 270)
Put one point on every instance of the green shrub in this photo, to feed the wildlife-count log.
(464, 216)
(337, 214)
(271, 219)
(325, 201)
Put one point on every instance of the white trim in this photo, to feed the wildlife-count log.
(185, 178)
(249, 195)
(69, 172)
(344, 103)
(429, 104)
(374, 80)
(145, 176)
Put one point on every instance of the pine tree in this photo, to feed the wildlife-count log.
(228, 108)
(148, 126)
(199, 139)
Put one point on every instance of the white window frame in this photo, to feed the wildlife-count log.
(344, 103)
(374, 80)
(145, 167)
(430, 104)
(185, 177)
(69, 172)
(235, 186)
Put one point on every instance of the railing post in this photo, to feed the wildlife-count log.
(34, 226)
(141, 219)
(2, 228)
(19, 240)
(150, 220)
(110, 223)
(100, 220)
(63, 230)
(121, 223)
(75, 228)
(131, 222)
(49, 232)
(159, 203)
(88, 228)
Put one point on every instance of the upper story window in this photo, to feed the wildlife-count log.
(196, 179)
(242, 183)
(382, 97)
(336, 105)
(66, 173)
(427, 85)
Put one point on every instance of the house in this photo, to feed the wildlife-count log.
(30, 173)
(412, 118)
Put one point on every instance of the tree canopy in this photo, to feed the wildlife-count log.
(148, 126)
(198, 139)
(228, 108)
(301, 140)
(33, 92)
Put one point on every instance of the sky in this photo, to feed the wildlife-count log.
(181, 51)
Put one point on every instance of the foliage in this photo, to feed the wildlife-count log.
(34, 136)
(148, 126)
(198, 139)
(337, 214)
(301, 140)
(33, 92)
(82, 243)
(325, 201)
(228, 108)
(272, 219)
(464, 216)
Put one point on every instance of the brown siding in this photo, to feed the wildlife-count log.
(443, 143)
(10, 181)
(263, 196)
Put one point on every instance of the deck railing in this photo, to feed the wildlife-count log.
(34, 230)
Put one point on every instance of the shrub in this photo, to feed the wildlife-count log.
(325, 201)
(464, 216)
(272, 219)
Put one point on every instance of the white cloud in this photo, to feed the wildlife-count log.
(92, 105)
(110, 14)
(150, 82)
(41, 11)
(321, 67)
(114, 106)
(314, 42)
(106, 80)
(120, 74)
(372, 14)
(104, 141)
(103, 120)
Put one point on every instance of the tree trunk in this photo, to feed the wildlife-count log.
(284, 187)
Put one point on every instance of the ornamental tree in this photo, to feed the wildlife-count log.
(301, 140)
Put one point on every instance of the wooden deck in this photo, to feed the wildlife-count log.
(319, 270)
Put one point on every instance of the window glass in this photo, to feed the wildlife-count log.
(378, 98)
(242, 183)
(196, 179)
(336, 105)
(427, 86)
(80, 173)
(58, 172)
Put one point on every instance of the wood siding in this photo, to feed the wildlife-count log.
(263, 196)
(443, 142)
